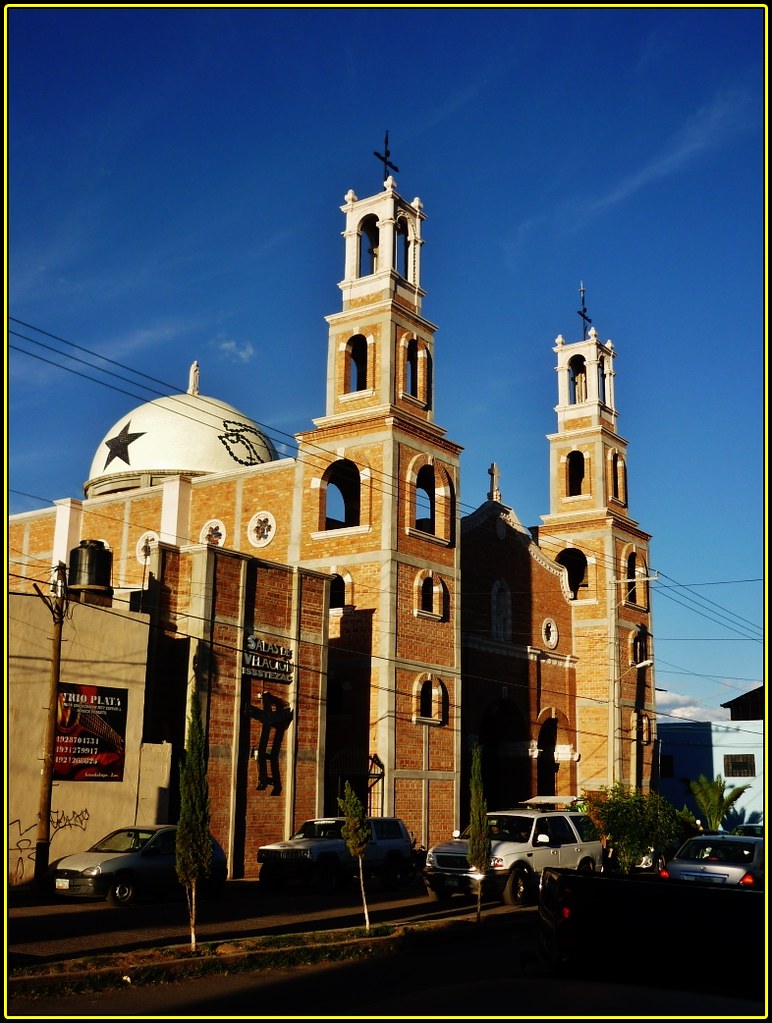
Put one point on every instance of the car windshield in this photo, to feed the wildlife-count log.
(126, 840)
(737, 853)
(506, 828)
(320, 829)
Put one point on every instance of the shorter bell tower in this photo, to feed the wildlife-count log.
(590, 532)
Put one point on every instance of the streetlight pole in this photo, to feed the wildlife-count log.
(56, 604)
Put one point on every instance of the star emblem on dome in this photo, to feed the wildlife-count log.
(119, 445)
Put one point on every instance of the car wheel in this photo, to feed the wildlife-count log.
(122, 892)
(586, 867)
(517, 889)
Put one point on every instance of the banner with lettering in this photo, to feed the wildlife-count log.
(90, 733)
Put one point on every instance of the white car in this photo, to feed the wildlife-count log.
(523, 842)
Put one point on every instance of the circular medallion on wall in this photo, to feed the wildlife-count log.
(145, 545)
(261, 529)
(213, 533)
(549, 632)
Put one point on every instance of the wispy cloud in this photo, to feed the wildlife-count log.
(672, 705)
(711, 127)
(234, 351)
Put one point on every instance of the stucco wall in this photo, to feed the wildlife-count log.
(101, 646)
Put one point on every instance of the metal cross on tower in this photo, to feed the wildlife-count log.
(387, 164)
(583, 312)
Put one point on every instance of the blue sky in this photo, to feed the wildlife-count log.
(174, 184)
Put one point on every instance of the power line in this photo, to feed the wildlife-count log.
(684, 597)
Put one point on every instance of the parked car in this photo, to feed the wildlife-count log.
(523, 843)
(719, 859)
(130, 864)
(317, 854)
(756, 830)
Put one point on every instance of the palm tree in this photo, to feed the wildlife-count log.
(713, 800)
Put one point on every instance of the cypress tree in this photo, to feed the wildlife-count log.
(479, 847)
(356, 832)
(194, 839)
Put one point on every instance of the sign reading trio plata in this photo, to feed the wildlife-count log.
(90, 732)
(269, 661)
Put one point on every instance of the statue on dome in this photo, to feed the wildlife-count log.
(193, 379)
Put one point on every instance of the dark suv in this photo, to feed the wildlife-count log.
(523, 842)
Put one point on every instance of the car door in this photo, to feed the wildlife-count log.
(570, 845)
(159, 865)
(545, 853)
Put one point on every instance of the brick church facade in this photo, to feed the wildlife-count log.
(339, 617)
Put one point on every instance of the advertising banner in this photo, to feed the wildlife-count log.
(90, 733)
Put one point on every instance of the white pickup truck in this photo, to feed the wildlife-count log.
(317, 853)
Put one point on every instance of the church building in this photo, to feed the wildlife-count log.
(338, 616)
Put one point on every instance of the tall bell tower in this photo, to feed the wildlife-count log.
(380, 494)
(591, 532)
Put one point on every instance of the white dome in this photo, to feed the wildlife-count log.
(187, 434)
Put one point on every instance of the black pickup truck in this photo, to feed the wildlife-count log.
(644, 929)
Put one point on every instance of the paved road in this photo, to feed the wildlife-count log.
(492, 972)
(489, 974)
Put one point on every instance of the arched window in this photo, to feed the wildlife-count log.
(343, 495)
(411, 369)
(577, 370)
(602, 379)
(403, 248)
(428, 395)
(632, 578)
(641, 645)
(618, 472)
(337, 592)
(431, 701)
(424, 499)
(368, 246)
(501, 611)
(356, 374)
(426, 702)
(427, 595)
(621, 477)
(575, 563)
(575, 470)
(431, 596)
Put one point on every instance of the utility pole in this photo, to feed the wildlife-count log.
(56, 604)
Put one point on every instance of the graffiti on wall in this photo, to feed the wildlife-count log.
(22, 841)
